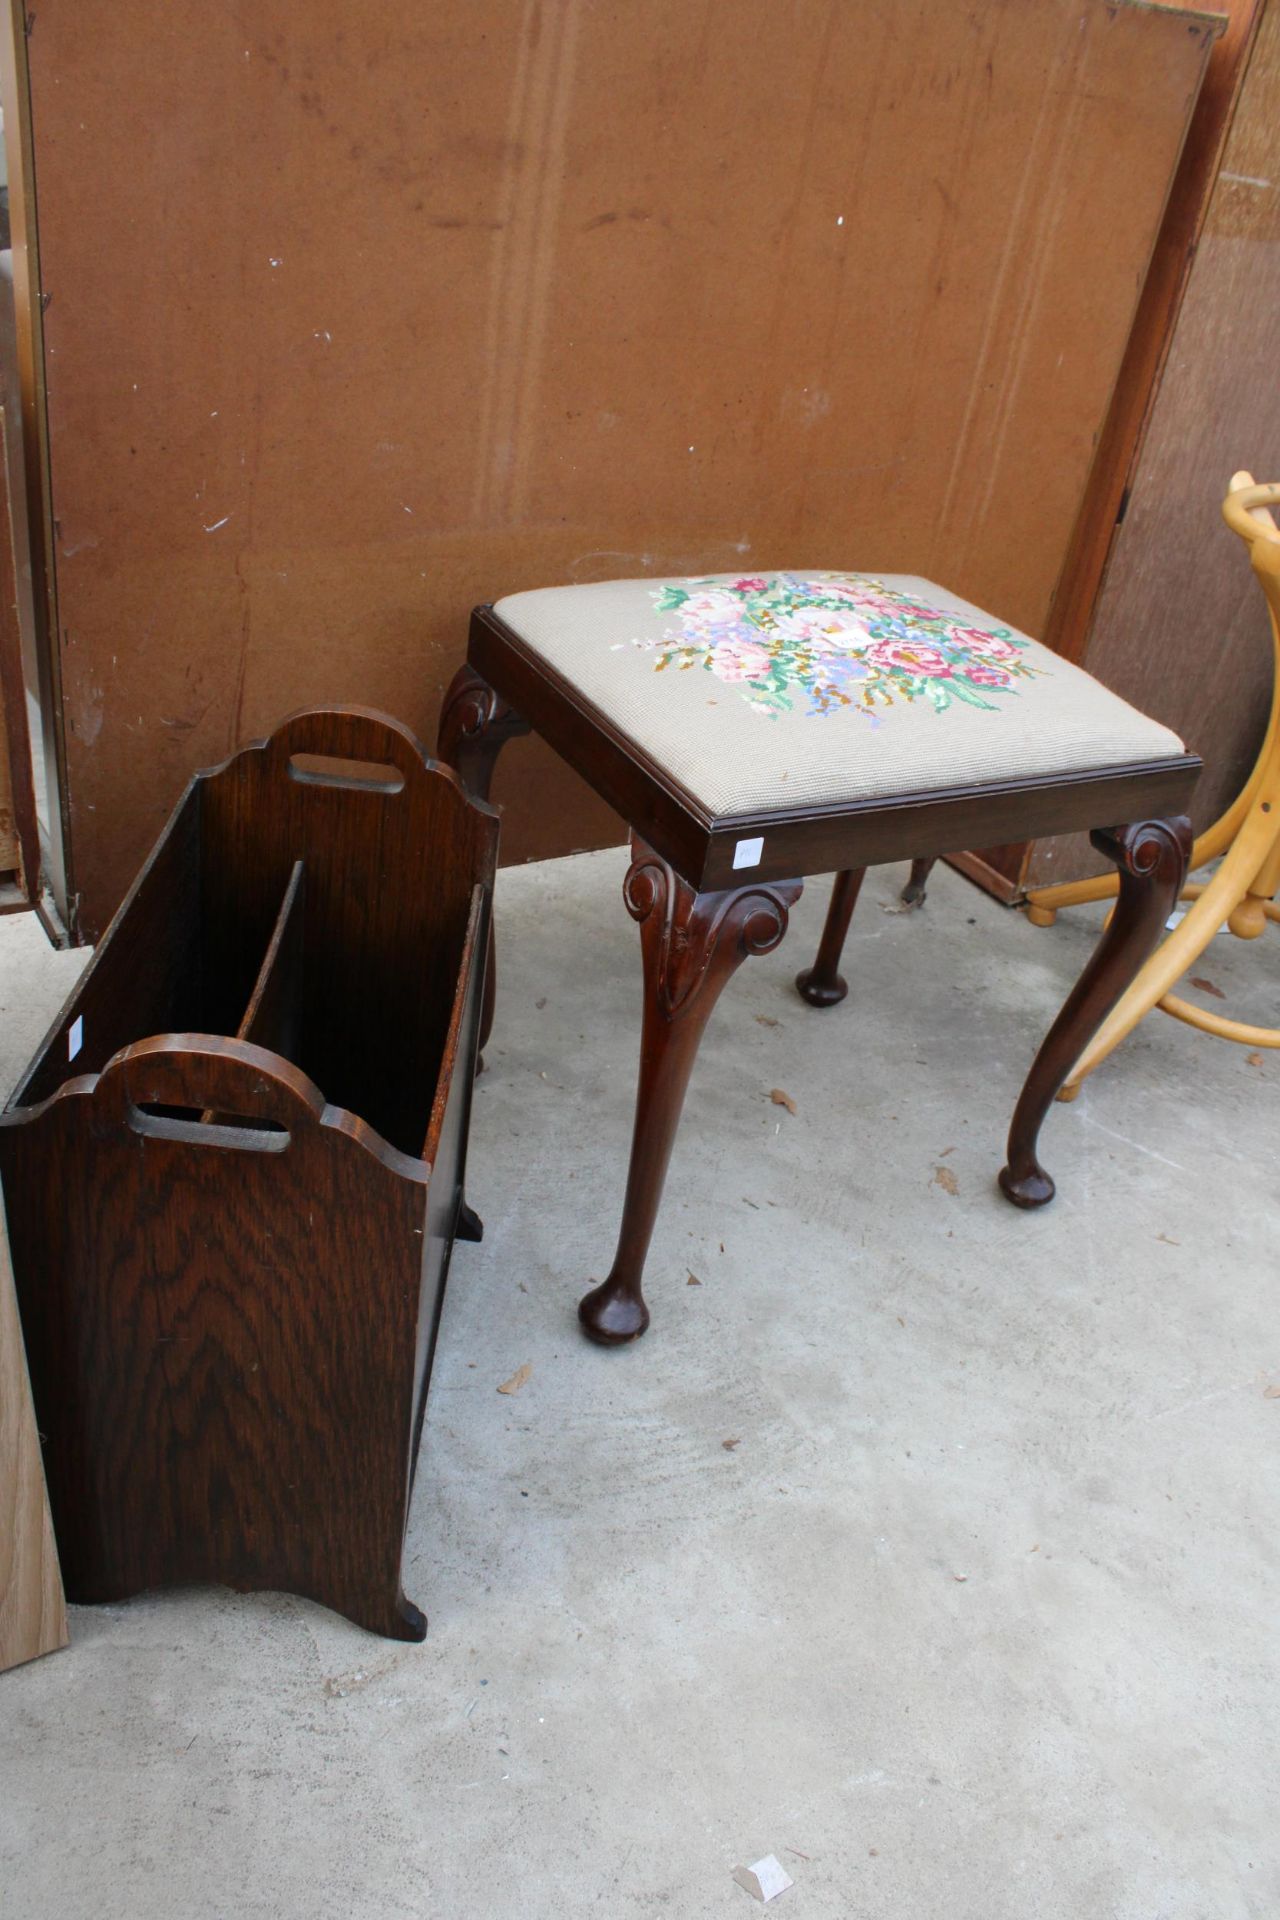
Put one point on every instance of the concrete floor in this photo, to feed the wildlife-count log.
(976, 1618)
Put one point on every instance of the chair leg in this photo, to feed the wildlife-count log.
(821, 984)
(475, 725)
(692, 943)
(913, 894)
(1151, 857)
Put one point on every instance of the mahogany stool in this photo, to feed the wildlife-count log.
(755, 729)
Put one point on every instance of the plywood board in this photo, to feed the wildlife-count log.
(358, 318)
(1181, 627)
(8, 823)
(33, 1615)
(19, 855)
(1076, 595)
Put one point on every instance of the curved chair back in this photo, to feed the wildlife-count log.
(1247, 511)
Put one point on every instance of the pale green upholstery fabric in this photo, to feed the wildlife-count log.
(777, 690)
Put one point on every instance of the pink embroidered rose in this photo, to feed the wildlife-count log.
(985, 676)
(756, 583)
(913, 610)
(738, 659)
(888, 604)
(872, 606)
(916, 656)
(989, 643)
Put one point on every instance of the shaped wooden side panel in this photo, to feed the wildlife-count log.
(220, 1324)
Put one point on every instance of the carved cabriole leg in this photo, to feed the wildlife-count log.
(821, 984)
(692, 943)
(1152, 860)
(912, 894)
(475, 725)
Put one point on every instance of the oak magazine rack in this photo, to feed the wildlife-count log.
(235, 1170)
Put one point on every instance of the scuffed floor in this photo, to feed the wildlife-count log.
(930, 1546)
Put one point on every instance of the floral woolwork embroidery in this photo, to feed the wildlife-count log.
(844, 640)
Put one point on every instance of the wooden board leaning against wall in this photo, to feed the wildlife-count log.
(19, 834)
(367, 322)
(1180, 627)
(9, 853)
(1148, 599)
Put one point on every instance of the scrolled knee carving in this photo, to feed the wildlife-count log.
(1147, 849)
(470, 706)
(475, 724)
(649, 882)
(764, 924)
(690, 936)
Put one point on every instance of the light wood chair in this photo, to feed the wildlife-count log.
(1241, 894)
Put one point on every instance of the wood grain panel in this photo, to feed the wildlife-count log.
(227, 1396)
(1181, 629)
(9, 850)
(19, 842)
(33, 1615)
(376, 316)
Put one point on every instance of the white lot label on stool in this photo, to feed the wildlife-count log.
(75, 1036)
(747, 853)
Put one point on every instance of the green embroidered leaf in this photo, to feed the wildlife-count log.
(965, 690)
(775, 698)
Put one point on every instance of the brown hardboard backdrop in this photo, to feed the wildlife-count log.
(358, 316)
